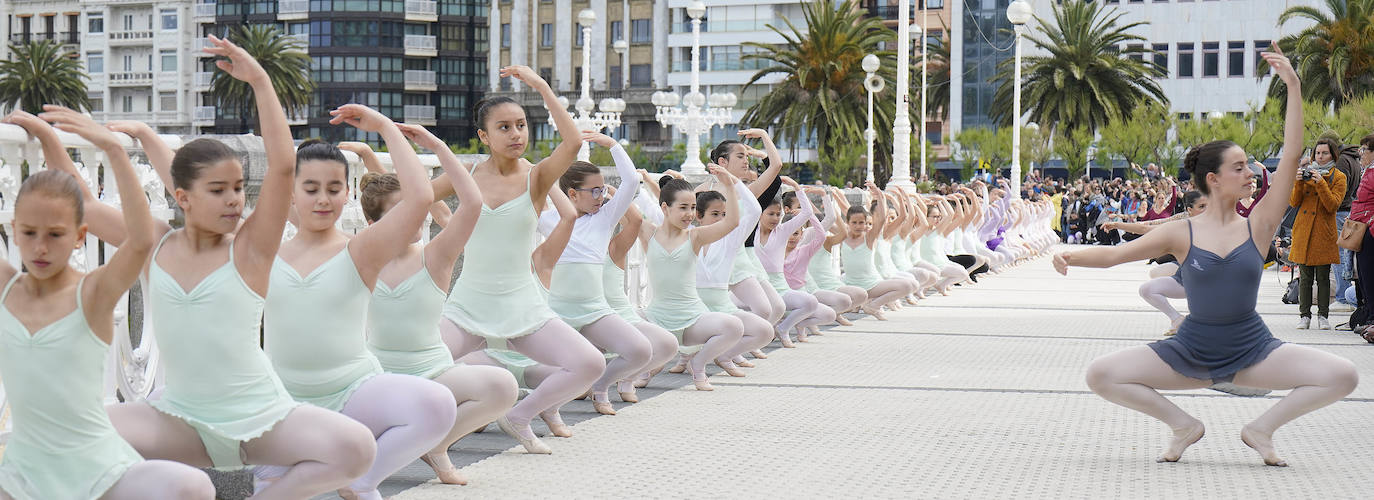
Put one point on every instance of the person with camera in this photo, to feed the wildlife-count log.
(1317, 196)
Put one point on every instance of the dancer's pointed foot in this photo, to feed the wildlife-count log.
(758, 354)
(702, 385)
(843, 321)
(875, 313)
(743, 363)
(1263, 443)
(911, 300)
(525, 435)
(349, 494)
(814, 330)
(448, 474)
(1183, 438)
(730, 368)
(786, 340)
(554, 420)
(626, 389)
(603, 407)
(680, 367)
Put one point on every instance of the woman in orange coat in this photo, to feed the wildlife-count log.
(1317, 195)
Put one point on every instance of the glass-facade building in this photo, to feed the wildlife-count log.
(987, 41)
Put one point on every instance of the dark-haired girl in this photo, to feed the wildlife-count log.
(716, 264)
(223, 405)
(856, 255)
(1223, 338)
(822, 275)
(408, 300)
(496, 301)
(56, 324)
(672, 262)
(744, 281)
(575, 291)
(802, 309)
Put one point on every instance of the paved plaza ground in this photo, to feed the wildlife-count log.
(975, 395)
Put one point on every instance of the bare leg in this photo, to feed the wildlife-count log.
(560, 347)
(1132, 377)
(161, 479)
(1317, 378)
(750, 294)
(483, 393)
(409, 416)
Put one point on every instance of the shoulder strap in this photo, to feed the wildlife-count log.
(80, 285)
(6, 293)
(1190, 231)
(166, 235)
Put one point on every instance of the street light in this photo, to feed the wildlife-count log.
(697, 114)
(921, 32)
(609, 115)
(901, 125)
(1034, 129)
(873, 83)
(1019, 13)
(622, 48)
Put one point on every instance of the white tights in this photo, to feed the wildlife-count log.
(888, 291)
(663, 342)
(555, 344)
(483, 393)
(613, 334)
(1157, 293)
(838, 302)
(716, 333)
(757, 333)
(800, 306)
(158, 480)
(752, 296)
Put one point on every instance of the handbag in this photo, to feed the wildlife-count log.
(1352, 235)
(1290, 296)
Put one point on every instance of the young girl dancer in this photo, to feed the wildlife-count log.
(407, 304)
(575, 291)
(1223, 338)
(223, 404)
(672, 262)
(900, 243)
(716, 265)
(802, 248)
(803, 307)
(932, 246)
(822, 275)
(496, 301)
(856, 254)
(1166, 282)
(744, 283)
(56, 325)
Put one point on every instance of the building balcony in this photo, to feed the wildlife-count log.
(419, 79)
(200, 81)
(198, 46)
(203, 116)
(293, 9)
(131, 37)
(419, 115)
(64, 37)
(422, 10)
(420, 45)
(204, 12)
(131, 79)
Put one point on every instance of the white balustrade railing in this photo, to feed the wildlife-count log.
(422, 7)
(293, 7)
(204, 9)
(420, 42)
(416, 113)
(419, 77)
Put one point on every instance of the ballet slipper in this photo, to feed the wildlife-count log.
(349, 494)
(1183, 438)
(843, 321)
(758, 353)
(702, 385)
(552, 419)
(449, 475)
(729, 368)
(1262, 443)
(801, 335)
(786, 340)
(814, 330)
(629, 397)
(874, 312)
(680, 367)
(744, 363)
(532, 444)
(603, 407)
(910, 300)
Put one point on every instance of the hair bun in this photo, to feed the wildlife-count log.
(367, 179)
(664, 180)
(1191, 158)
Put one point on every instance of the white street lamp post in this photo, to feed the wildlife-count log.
(873, 83)
(697, 114)
(901, 125)
(609, 115)
(622, 48)
(924, 36)
(1019, 12)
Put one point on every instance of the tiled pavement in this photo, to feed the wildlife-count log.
(975, 395)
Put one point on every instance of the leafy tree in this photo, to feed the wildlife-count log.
(1072, 145)
(1087, 80)
(1335, 56)
(41, 72)
(1134, 137)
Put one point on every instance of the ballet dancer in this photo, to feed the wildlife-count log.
(56, 325)
(802, 309)
(408, 299)
(223, 405)
(932, 244)
(822, 272)
(716, 266)
(1165, 281)
(899, 241)
(745, 283)
(1223, 338)
(575, 291)
(675, 304)
(856, 255)
(497, 301)
(802, 248)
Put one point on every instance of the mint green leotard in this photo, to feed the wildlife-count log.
(218, 379)
(316, 331)
(933, 250)
(859, 269)
(821, 271)
(576, 293)
(403, 326)
(901, 254)
(613, 282)
(675, 305)
(882, 258)
(63, 445)
(496, 296)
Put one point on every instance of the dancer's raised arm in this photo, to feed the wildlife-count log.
(879, 213)
(547, 253)
(706, 235)
(377, 244)
(443, 250)
(774, 160)
(547, 172)
(1268, 212)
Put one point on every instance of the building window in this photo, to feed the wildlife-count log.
(617, 31)
(169, 19)
(577, 76)
(577, 37)
(641, 75)
(128, 103)
(167, 101)
(97, 103)
(1161, 57)
(505, 35)
(935, 4)
(128, 22)
(169, 60)
(95, 63)
(1137, 1)
(641, 31)
(546, 74)
(613, 74)
(1211, 58)
(1185, 116)
(1136, 52)
(933, 132)
(128, 63)
(546, 35)
(95, 23)
(1185, 60)
(1235, 58)
(1260, 47)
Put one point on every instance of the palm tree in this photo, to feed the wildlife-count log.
(822, 90)
(937, 83)
(1335, 56)
(1084, 81)
(286, 63)
(40, 72)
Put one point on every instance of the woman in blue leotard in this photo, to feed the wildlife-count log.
(1223, 338)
